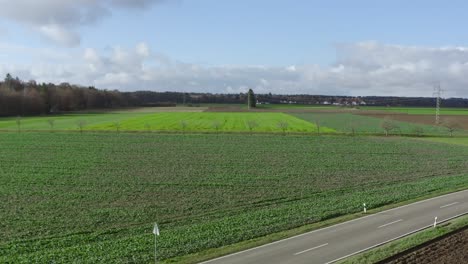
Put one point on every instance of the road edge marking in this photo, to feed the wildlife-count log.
(324, 228)
(396, 238)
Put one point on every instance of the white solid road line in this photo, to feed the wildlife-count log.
(447, 205)
(379, 244)
(391, 223)
(307, 250)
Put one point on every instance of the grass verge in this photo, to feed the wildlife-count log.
(381, 252)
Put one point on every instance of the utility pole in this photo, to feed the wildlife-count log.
(437, 94)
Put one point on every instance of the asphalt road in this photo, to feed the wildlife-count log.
(336, 242)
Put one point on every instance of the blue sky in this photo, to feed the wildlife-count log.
(297, 46)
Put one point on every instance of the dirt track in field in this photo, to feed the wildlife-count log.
(461, 120)
(450, 250)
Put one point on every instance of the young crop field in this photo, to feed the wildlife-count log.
(63, 122)
(163, 121)
(346, 122)
(460, 121)
(418, 110)
(296, 106)
(458, 141)
(212, 122)
(93, 197)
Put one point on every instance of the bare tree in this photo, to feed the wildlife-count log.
(51, 123)
(283, 125)
(81, 125)
(216, 125)
(18, 123)
(317, 124)
(388, 125)
(418, 131)
(148, 127)
(252, 124)
(451, 125)
(183, 125)
(117, 126)
(353, 126)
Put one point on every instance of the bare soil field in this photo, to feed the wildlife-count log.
(451, 249)
(461, 120)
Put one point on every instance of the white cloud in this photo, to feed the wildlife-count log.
(111, 78)
(143, 49)
(136, 3)
(58, 20)
(60, 35)
(367, 68)
(14, 51)
(395, 69)
(91, 56)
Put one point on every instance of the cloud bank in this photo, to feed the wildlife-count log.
(365, 68)
(59, 20)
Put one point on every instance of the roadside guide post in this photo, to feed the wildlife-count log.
(156, 234)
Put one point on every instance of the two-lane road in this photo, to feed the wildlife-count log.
(336, 242)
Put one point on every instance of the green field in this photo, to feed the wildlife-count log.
(227, 122)
(345, 122)
(419, 110)
(164, 121)
(297, 106)
(64, 122)
(143, 120)
(92, 197)
(391, 109)
(458, 141)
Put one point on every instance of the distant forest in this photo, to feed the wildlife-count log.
(22, 98)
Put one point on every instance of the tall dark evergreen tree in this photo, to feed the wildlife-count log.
(251, 101)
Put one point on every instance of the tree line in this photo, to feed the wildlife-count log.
(22, 98)
(19, 98)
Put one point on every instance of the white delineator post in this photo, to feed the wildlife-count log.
(435, 221)
(365, 209)
(156, 234)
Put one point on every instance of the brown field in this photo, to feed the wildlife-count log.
(461, 120)
(451, 249)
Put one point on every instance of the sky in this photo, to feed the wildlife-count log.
(356, 48)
